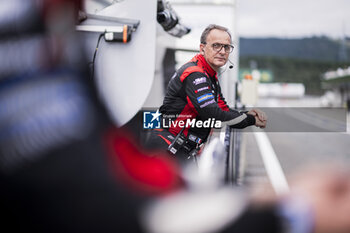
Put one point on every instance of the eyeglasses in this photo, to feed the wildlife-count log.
(217, 47)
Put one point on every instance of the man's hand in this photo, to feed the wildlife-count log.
(259, 123)
(260, 117)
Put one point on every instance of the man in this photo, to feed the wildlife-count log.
(194, 93)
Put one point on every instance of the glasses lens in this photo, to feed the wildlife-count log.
(217, 47)
(228, 48)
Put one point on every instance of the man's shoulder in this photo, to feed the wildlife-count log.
(190, 69)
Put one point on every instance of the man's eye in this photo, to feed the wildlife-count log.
(216, 45)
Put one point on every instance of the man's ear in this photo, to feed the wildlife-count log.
(201, 49)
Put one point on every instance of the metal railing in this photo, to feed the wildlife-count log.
(232, 145)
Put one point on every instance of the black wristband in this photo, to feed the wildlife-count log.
(250, 119)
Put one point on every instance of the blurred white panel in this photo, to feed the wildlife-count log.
(249, 94)
(286, 90)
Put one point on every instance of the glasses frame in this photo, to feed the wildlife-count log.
(228, 48)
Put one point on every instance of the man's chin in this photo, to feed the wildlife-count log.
(220, 64)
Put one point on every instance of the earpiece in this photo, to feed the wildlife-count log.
(232, 65)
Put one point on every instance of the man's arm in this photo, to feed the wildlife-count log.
(201, 96)
(260, 116)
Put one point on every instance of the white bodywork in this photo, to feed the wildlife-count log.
(125, 72)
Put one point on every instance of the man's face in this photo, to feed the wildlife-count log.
(215, 59)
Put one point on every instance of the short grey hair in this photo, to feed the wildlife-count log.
(210, 27)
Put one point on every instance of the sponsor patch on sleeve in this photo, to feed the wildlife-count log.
(201, 89)
(205, 97)
(207, 103)
(199, 80)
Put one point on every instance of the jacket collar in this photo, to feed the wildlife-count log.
(203, 63)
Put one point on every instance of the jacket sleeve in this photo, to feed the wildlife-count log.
(200, 95)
